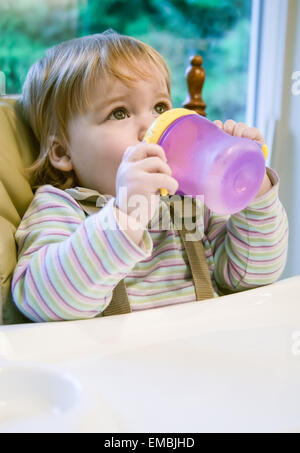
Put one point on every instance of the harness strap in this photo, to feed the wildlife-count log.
(194, 250)
(119, 303)
(200, 272)
(196, 256)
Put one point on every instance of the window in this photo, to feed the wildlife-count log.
(217, 29)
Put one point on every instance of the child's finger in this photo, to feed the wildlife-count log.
(144, 150)
(218, 123)
(154, 165)
(254, 134)
(240, 129)
(168, 182)
(229, 126)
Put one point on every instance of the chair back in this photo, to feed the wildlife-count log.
(18, 150)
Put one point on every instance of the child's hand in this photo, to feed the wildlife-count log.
(142, 172)
(241, 130)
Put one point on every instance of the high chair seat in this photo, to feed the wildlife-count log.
(18, 149)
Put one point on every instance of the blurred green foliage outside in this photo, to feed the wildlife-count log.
(219, 30)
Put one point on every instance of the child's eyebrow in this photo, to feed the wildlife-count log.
(109, 101)
(121, 98)
(163, 95)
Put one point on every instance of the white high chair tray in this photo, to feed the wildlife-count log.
(230, 364)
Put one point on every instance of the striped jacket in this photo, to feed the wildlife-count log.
(68, 265)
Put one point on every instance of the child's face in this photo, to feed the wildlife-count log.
(119, 117)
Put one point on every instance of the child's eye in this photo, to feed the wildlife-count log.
(118, 114)
(161, 107)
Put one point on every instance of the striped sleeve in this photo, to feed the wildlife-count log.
(250, 247)
(68, 265)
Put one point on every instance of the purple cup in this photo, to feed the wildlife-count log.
(228, 171)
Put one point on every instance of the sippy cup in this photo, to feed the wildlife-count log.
(228, 171)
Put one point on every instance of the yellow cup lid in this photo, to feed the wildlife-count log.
(164, 120)
(265, 150)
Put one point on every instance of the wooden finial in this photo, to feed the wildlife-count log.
(195, 77)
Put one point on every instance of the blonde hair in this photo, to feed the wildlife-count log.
(58, 86)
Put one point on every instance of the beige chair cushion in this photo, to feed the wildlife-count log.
(18, 149)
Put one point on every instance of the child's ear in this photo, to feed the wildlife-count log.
(59, 157)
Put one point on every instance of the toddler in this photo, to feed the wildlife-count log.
(89, 102)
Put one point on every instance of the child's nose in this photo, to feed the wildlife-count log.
(144, 124)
